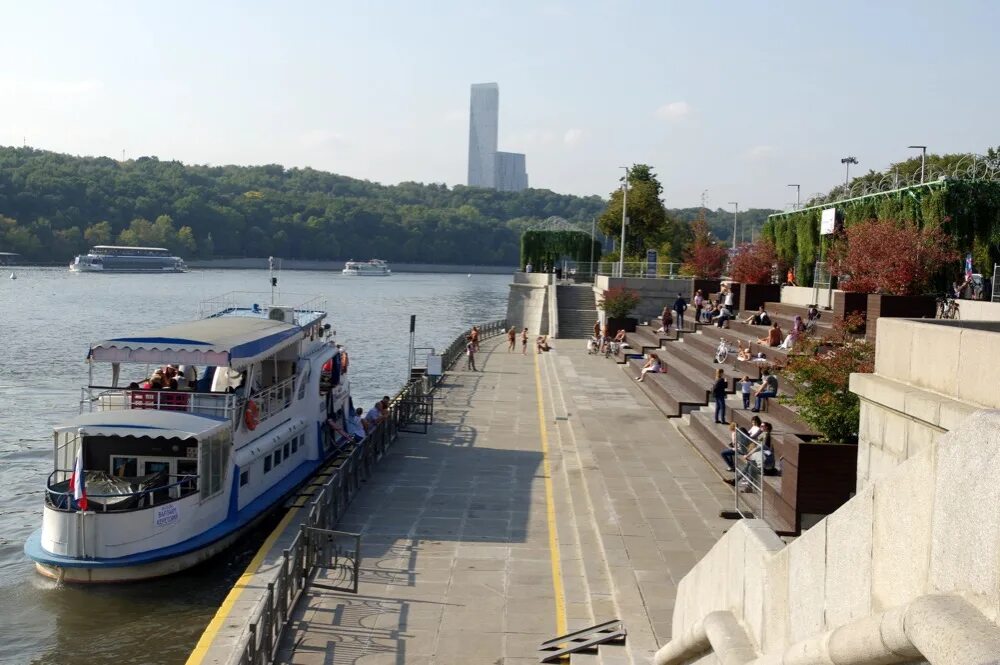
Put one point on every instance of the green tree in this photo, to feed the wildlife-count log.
(647, 218)
(99, 234)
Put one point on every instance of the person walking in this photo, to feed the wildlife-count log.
(511, 339)
(699, 304)
(679, 306)
(524, 342)
(719, 393)
(474, 335)
(470, 353)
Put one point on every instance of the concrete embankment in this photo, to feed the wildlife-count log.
(546, 496)
(302, 264)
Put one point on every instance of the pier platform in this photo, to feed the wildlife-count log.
(548, 495)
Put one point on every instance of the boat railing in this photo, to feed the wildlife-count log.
(273, 399)
(178, 486)
(102, 398)
(254, 303)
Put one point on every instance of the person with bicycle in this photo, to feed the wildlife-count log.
(618, 341)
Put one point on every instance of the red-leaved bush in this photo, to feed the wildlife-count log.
(705, 257)
(894, 258)
(753, 262)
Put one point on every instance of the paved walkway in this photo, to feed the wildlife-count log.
(490, 534)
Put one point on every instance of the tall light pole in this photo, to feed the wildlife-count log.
(798, 190)
(736, 209)
(847, 161)
(621, 258)
(923, 158)
(593, 241)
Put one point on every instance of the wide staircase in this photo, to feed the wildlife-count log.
(577, 310)
(815, 479)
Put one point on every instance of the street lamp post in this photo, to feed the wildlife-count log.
(923, 159)
(798, 191)
(847, 161)
(621, 257)
(736, 209)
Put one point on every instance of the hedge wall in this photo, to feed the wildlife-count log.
(967, 209)
(540, 248)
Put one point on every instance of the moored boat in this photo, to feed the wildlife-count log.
(157, 476)
(371, 268)
(114, 258)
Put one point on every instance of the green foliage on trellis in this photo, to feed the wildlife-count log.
(541, 248)
(968, 210)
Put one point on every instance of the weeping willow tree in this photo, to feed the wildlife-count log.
(540, 248)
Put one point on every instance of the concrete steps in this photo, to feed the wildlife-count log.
(577, 311)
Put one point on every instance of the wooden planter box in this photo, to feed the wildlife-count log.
(627, 323)
(816, 478)
(900, 307)
(707, 286)
(753, 296)
(847, 303)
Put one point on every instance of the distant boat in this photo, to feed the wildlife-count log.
(13, 276)
(373, 268)
(114, 258)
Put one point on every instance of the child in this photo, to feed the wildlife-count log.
(745, 386)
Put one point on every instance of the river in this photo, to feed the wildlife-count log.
(47, 318)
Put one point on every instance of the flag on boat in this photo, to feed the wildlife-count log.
(77, 484)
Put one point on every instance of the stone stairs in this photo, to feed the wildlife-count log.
(577, 311)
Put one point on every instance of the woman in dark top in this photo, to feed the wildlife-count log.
(719, 393)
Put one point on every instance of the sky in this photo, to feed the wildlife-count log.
(733, 99)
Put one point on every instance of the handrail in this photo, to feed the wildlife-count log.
(457, 347)
(184, 479)
(942, 629)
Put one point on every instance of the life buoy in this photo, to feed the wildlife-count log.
(252, 415)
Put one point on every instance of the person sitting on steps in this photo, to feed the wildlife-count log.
(653, 364)
(773, 337)
(760, 318)
(768, 388)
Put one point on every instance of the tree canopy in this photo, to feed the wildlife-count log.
(53, 206)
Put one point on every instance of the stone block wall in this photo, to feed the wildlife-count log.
(929, 526)
(528, 306)
(653, 293)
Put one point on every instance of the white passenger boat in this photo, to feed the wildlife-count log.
(114, 258)
(372, 268)
(148, 482)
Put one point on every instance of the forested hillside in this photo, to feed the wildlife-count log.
(53, 206)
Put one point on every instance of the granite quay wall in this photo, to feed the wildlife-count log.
(653, 293)
(903, 572)
(528, 307)
(930, 376)
(798, 295)
(303, 264)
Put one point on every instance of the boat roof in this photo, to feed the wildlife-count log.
(222, 341)
(145, 422)
(156, 249)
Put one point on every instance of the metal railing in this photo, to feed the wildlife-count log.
(119, 503)
(268, 619)
(243, 303)
(102, 398)
(748, 488)
(456, 349)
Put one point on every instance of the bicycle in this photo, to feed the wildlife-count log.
(947, 308)
(723, 351)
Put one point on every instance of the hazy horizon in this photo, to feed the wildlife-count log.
(738, 100)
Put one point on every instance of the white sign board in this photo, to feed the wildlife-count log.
(434, 365)
(828, 222)
(166, 515)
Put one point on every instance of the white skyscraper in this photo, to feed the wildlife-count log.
(484, 111)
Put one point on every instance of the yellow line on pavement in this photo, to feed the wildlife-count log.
(550, 508)
(201, 649)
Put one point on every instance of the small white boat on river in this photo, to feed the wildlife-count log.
(149, 481)
(372, 268)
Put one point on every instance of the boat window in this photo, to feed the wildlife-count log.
(213, 460)
(244, 478)
(277, 457)
(124, 467)
(267, 464)
(287, 446)
(295, 445)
